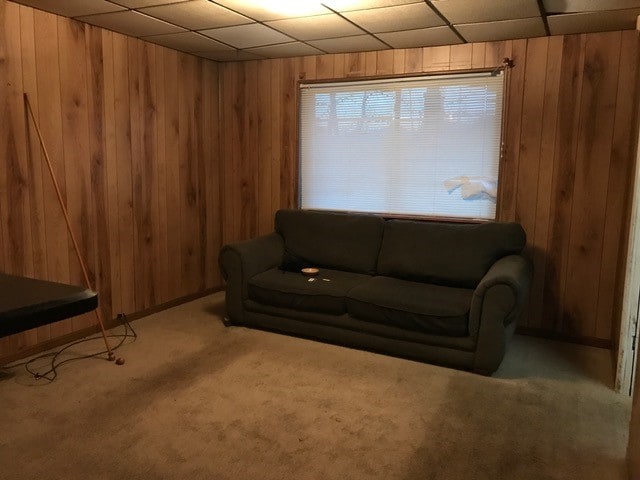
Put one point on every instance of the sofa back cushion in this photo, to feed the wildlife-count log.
(450, 254)
(340, 241)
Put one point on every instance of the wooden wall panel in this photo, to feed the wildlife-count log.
(562, 183)
(17, 248)
(228, 84)
(538, 243)
(478, 55)
(354, 64)
(75, 142)
(398, 63)
(288, 144)
(172, 156)
(109, 158)
(384, 62)
(433, 59)
(624, 145)
(155, 191)
(30, 87)
(461, 57)
(249, 156)
(276, 133)
(507, 188)
(568, 151)
(34, 162)
(211, 174)
(159, 187)
(413, 60)
(98, 171)
(263, 147)
(593, 158)
(124, 199)
(324, 66)
(14, 189)
(132, 131)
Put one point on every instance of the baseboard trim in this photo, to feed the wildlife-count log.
(170, 304)
(85, 332)
(114, 322)
(551, 335)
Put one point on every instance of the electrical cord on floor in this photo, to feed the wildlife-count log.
(51, 374)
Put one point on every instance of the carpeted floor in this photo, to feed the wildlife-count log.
(196, 400)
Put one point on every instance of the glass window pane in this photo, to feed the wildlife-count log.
(421, 146)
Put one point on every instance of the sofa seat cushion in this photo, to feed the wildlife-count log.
(326, 293)
(420, 307)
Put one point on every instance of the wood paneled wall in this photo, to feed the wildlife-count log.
(132, 129)
(569, 154)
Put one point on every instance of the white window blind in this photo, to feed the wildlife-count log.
(415, 146)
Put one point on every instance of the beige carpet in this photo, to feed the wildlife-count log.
(196, 400)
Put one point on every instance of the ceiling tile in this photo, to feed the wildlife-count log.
(423, 37)
(571, 6)
(143, 3)
(593, 21)
(358, 43)
(196, 14)
(264, 10)
(293, 49)
(229, 56)
(503, 30)
(348, 5)
(464, 11)
(227, 31)
(188, 42)
(131, 23)
(316, 27)
(73, 8)
(392, 19)
(247, 36)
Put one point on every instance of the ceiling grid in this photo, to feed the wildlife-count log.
(231, 30)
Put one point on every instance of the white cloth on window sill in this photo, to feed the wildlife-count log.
(473, 188)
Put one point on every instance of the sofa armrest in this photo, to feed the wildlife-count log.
(242, 260)
(513, 271)
(497, 303)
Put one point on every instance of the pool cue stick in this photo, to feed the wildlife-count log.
(110, 355)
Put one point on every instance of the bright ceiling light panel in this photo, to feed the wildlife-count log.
(294, 8)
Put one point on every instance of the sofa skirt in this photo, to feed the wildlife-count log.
(346, 331)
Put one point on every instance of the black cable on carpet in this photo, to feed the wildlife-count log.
(51, 374)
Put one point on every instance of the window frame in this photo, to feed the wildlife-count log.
(505, 68)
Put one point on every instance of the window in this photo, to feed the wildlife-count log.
(425, 146)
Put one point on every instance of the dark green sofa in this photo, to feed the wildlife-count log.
(441, 293)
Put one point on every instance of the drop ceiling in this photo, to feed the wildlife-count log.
(229, 30)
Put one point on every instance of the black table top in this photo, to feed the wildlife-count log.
(26, 303)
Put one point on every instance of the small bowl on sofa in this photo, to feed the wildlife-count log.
(310, 272)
